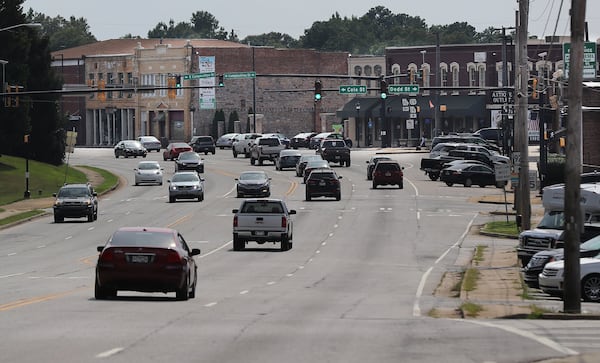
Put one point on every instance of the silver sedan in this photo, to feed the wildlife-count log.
(148, 172)
(186, 185)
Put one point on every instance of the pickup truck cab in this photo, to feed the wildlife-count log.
(265, 148)
(262, 220)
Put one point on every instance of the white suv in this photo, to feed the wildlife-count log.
(242, 144)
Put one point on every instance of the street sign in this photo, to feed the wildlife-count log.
(234, 75)
(589, 59)
(502, 172)
(403, 88)
(352, 89)
(198, 75)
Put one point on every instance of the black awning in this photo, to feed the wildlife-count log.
(366, 105)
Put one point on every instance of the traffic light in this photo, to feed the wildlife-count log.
(318, 90)
(171, 92)
(221, 81)
(178, 81)
(101, 92)
(383, 86)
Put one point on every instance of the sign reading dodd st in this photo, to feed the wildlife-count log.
(403, 88)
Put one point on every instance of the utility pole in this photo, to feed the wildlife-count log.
(522, 139)
(573, 215)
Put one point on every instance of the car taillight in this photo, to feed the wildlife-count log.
(235, 221)
(173, 257)
(107, 256)
(283, 222)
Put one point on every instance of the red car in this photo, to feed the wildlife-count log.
(388, 172)
(174, 149)
(146, 259)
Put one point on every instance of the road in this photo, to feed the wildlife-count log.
(356, 287)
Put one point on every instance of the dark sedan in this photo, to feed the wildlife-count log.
(589, 248)
(469, 174)
(287, 159)
(304, 159)
(127, 148)
(372, 162)
(254, 183)
(189, 160)
(174, 149)
(146, 259)
(301, 140)
(315, 164)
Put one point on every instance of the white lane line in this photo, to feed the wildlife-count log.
(229, 192)
(109, 221)
(271, 283)
(215, 250)
(12, 254)
(12, 275)
(323, 243)
(331, 234)
(41, 246)
(335, 226)
(244, 292)
(289, 275)
(91, 228)
(109, 353)
(210, 305)
(68, 237)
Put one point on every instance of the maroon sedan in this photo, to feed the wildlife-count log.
(146, 259)
(174, 149)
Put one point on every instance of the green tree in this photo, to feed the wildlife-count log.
(62, 33)
(272, 39)
(207, 26)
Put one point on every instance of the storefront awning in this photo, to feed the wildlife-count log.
(366, 105)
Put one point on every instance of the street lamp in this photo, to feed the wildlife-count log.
(28, 25)
(356, 123)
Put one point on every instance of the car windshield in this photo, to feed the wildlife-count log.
(188, 156)
(552, 220)
(141, 238)
(148, 139)
(262, 207)
(73, 192)
(185, 177)
(181, 145)
(148, 166)
(591, 244)
(131, 144)
(253, 176)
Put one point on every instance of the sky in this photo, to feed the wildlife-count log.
(111, 19)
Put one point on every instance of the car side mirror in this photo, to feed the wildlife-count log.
(195, 251)
(235, 210)
(201, 179)
(292, 211)
(54, 195)
(236, 179)
(367, 161)
(340, 177)
(99, 248)
(95, 194)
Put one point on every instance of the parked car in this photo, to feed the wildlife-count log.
(323, 183)
(285, 141)
(388, 172)
(203, 144)
(255, 183)
(189, 160)
(494, 156)
(148, 172)
(127, 148)
(469, 174)
(146, 259)
(225, 141)
(75, 201)
(314, 164)
(551, 280)
(301, 140)
(186, 185)
(150, 143)
(535, 266)
(372, 162)
(173, 150)
(491, 134)
(287, 159)
(304, 159)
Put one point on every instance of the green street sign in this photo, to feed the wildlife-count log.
(403, 88)
(235, 75)
(198, 75)
(352, 89)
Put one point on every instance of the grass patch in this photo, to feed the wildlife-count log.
(44, 179)
(109, 179)
(20, 216)
(537, 312)
(470, 279)
(502, 227)
(470, 309)
(479, 250)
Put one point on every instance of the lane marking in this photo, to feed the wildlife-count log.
(33, 300)
(244, 292)
(210, 305)
(12, 275)
(12, 254)
(180, 220)
(215, 250)
(109, 353)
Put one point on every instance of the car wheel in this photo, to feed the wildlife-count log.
(192, 293)
(116, 156)
(252, 161)
(482, 185)
(401, 186)
(201, 197)
(347, 163)
(96, 215)
(434, 176)
(260, 161)
(90, 217)
(213, 152)
(449, 184)
(171, 200)
(468, 182)
(369, 177)
(308, 197)
(234, 154)
(374, 185)
(285, 243)
(338, 196)
(238, 244)
(58, 219)
(183, 292)
(590, 288)
(164, 158)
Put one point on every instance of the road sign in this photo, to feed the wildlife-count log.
(589, 59)
(198, 75)
(403, 88)
(502, 172)
(352, 89)
(234, 75)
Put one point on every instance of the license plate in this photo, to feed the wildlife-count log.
(337, 156)
(139, 259)
(322, 183)
(388, 174)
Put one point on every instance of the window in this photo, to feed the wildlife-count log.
(444, 75)
(368, 71)
(454, 68)
(396, 72)
(472, 74)
(481, 74)
(378, 70)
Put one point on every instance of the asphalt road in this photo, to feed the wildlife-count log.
(356, 287)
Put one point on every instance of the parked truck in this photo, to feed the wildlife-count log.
(262, 220)
(548, 234)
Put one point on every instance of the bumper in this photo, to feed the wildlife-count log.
(186, 194)
(73, 212)
(254, 191)
(550, 285)
(158, 280)
(259, 236)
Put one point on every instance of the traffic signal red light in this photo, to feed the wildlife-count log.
(318, 90)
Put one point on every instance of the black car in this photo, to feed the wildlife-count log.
(469, 174)
(323, 183)
(304, 159)
(254, 183)
(127, 148)
(189, 160)
(372, 162)
(287, 159)
(75, 201)
(535, 266)
(302, 140)
(203, 144)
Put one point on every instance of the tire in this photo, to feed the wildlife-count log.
(58, 219)
(338, 196)
(206, 153)
(434, 176)
(468, 182)
(401, 185)
(171, 200)
(116, 156)
(235, 153)
(590, 288)
(449, 184)
(308, 197)
(374, 185)
(183, 292)
(102, 293)
(192, 293)
(347, 163)
(285, 243)
(90, 217)
(238, 244)
(213, 152)
(252, 161)
(260, 161)
(96, 215)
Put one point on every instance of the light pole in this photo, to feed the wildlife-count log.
(356, 123)
(3, 62)
(423, 52)
(28, 25)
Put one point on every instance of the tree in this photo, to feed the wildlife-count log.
(63, 33)
(207, 26)
(272, 39)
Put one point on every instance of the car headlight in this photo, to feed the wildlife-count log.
(58, 203)
(173, 187)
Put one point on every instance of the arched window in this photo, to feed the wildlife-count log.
(396, 72)
(454, 69)
(368, 71)
(472, 74)
(357, 70)
(378, 70)
(444, 74)
(481, 74)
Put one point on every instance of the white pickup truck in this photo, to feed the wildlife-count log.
(265, 148)
(262, 220)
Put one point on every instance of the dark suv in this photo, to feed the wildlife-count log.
(388, 172)
(203, 144)
(75, 201)
(323, 183)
